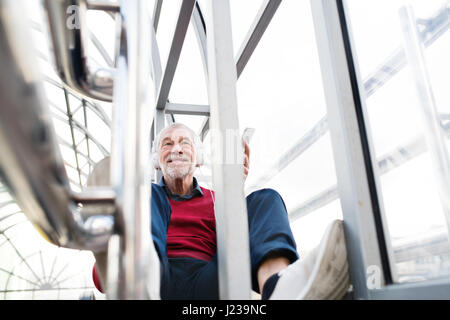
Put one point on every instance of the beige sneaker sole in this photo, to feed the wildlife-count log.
(329, 278)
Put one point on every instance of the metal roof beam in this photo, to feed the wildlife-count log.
(102, 6)
(259, 26)
(262, 20)
(184, 18)
(189, 109)
(156, 14)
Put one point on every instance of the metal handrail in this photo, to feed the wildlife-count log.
(71, 59)
(31, 164)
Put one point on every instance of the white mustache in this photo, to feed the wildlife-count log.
(173, 157)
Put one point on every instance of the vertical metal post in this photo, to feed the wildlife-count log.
(228, 178)
(434, 134)
(159, 119)
(133, 98)
(368, 250)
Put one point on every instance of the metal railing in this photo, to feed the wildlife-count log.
(32, 165)
(69, 43)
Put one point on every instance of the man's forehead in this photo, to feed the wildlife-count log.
(176, 133)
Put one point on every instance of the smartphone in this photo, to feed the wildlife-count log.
(248, 134)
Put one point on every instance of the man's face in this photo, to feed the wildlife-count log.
(176, 153)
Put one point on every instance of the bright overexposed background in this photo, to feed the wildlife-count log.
(280, 94)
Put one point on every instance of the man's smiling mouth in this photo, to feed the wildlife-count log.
(177, 160)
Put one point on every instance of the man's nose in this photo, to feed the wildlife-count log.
(177, 148)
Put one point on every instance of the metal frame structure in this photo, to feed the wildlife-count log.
(138, 118)
(434, 134)
(350, 146)
(366, 228)
(228, 180)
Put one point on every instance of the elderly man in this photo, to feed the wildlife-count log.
(184, 234)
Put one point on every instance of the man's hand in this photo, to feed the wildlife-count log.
(246, 158)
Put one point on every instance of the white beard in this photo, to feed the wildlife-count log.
(178, 170)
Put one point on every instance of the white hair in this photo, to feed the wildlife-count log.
(197, 143)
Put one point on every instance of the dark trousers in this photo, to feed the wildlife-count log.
(188, 278)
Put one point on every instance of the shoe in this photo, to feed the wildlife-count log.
(322, 275)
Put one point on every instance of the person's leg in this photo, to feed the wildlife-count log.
(272, 245)
(206, 281)
(322, 274)
(190, 279)
(276, 272)
(269, 267)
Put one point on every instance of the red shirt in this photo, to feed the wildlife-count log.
(192, 228)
